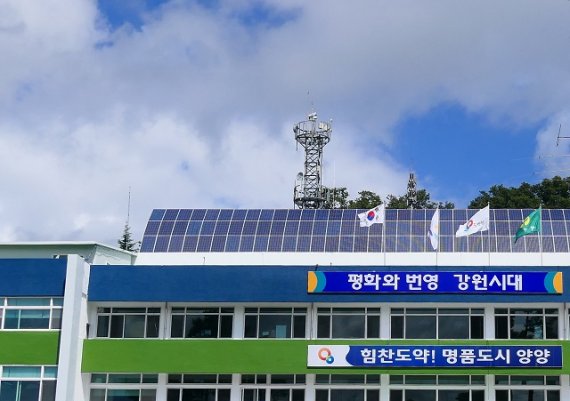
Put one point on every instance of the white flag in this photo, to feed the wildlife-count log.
(372, 216)
(479, 222)
(433, 232)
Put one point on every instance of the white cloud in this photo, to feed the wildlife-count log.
(195, 109)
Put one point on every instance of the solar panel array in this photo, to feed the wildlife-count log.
(338, 230)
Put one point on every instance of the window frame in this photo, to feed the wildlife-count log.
(108, 313)
(261, 312)
(186, 311)
(437, 313)
(367, 312)
(499, 315)
(54, 307)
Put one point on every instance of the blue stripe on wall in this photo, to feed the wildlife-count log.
(266, 284)
(32, 277)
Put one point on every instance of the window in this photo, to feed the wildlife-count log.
(123, 387)
(437, 395)
(198, 387)
(523, 388)
(530, 323)
(277, 387)
(362, 387)
(31, 313)
(28, 383)
(128, 322)
(348, 323)
(201, 322)
(437, 388)
(275, 322)
(436, 323)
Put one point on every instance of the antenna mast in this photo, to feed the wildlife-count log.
(312, 135)
(412, 194)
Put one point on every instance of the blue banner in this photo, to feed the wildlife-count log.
(435, 356)
(449, 282)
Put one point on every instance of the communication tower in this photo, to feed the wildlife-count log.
(412, 192)
(312, 135)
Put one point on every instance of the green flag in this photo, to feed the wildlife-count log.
(530, 225)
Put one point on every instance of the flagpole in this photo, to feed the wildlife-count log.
(384, 237)
(489, 233)
(540, 236)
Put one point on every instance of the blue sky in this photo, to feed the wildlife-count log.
(192, 103)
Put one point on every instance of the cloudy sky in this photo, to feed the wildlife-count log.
(192, 103)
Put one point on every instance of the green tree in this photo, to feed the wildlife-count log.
(422, 201)
(365, 200)
(554, 193)
(126, 241)
(551, 193)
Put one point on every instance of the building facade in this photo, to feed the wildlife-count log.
(291, 305)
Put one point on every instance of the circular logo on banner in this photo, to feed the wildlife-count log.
(325, 354)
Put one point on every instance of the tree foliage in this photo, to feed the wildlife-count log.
(337, 198)
(126, 241)
(365, 200)
(422, 201)
(551, 193)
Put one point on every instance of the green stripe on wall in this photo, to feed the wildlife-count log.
(29, 347)
(258, 356)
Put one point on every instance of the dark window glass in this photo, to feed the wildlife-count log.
(453, 395)
(477, 395)
(372, 395)
(55, 319)
(224, 395)
(102, 326)
(501, 395)
(19, 390)
(551, 327)
(226, 327)
(553, 395)
(173, 394)
(453, 327)
(323, 326)
(348, 326)
(134, 326)
(299, 326)
(279, 395)
(373, 327)
(48, 390)
(177, 326)
(420, 327)
(420, 395)
(34, 319)
(526, 395)
(274, 326)
(501, 327)
(201, 326)
(397, 327)
(116, 326)
(321, 395)
(198, 394)
(526, 327)
(347, 395)
(152, 323)
(250, 329)
(299, 395)
(476, 327)
(396, 395)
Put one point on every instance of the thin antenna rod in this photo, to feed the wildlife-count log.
(558, 137)
(129, 206)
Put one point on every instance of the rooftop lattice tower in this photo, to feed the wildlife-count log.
(312, 135)
(412, 192)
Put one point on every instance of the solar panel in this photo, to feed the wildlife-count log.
(338, 230)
